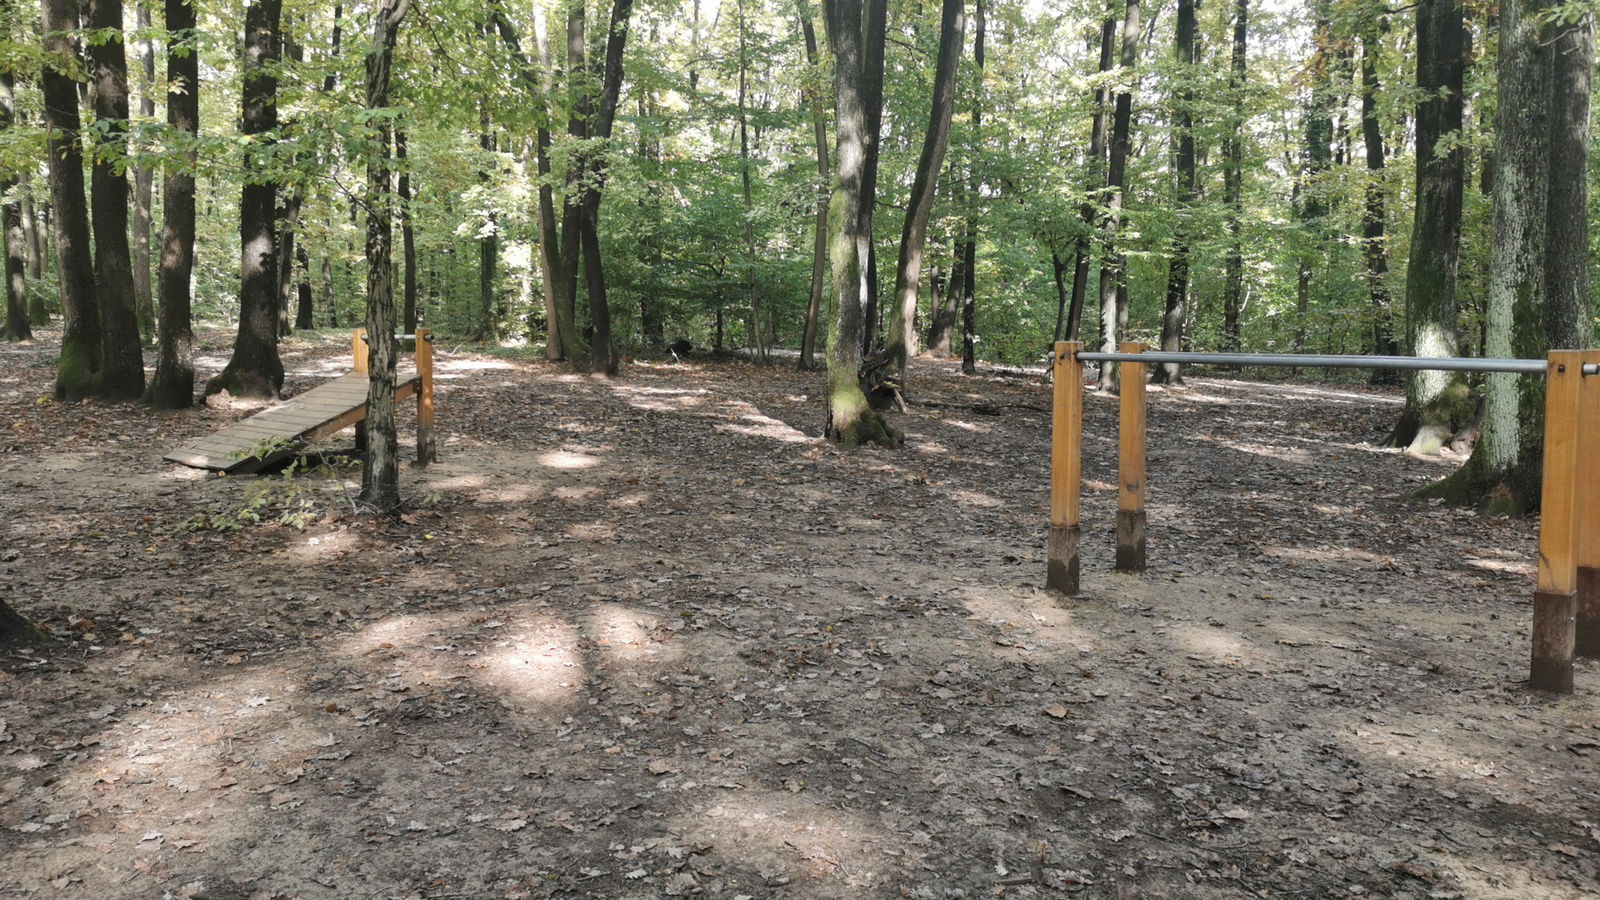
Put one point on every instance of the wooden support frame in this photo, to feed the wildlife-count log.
(1587, 626)
(1132, 431)
(1555, 598)
(1066, 468)
(427, 446)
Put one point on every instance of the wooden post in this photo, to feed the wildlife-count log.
(1066, 467)
(1131, 431)
(426, 451)
(1555, 599)
(358, 348)
(1587, 642)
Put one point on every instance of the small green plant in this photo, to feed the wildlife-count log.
(290, 499)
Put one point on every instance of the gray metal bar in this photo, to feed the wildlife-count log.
(1591, 368)
(1313, 361)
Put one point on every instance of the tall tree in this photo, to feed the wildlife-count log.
(121, 375)
(607, 70)
(408, 237)
(144, 182)
(819, 244)
(851, 420)
(1095, 177)
(380, 471)
(1113, 265)
(1317, 158)
(12, 238)
(256, 370)
(1437, 403)
(173, 384)
(1375, 211)
(751, 282)
(80, 326)
(1233, 179)
(968, 248)
(924, 184)
(1184, 176)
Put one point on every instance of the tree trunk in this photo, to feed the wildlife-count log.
(488, 245)
(121, 375)
(580, 107)
(408, 238)
(1373, 222)
(80, 327)
(288, 228)
(143, 185)
(969, 237)
(1094, 188)
(304, 315)
(1437, 403)
(1500, 477)
(1113, 264)
(1183, 164)
(819, 248)
(874, 38)
(173, 384)
(851, 420)
(1233, 181)
(948, 307)
(1569, 316)
(380, 471)
(924, 185)
(255, 370)
(1316, 160)
(602, 351)
(751, 282)
(11, 234)
(15, 629)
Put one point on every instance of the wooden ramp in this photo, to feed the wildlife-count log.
(321, 412)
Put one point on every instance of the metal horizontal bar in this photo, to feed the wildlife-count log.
(401, 337)
(1313, 361)
(1591, 368)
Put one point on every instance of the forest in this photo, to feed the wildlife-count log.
(867, 180)
(730, 562)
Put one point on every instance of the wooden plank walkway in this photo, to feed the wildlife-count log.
(309, 417)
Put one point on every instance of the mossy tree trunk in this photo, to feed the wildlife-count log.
(1437, 403)
(173, 384)
(80, 316)
(121, 375)
(851, 420)
(255, 369)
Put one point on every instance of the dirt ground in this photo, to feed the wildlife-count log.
(652, 637)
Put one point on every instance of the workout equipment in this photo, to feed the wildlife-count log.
(1566, 600)
(275, 434)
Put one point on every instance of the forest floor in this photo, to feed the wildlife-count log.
(652, 637)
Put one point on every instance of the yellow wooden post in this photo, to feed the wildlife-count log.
(1131, 430)
(1587, 503)
(427, 452)
(1066, 467)
(358, 347)
(1555, 599)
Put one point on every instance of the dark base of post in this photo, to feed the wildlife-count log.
(1062, 574)
(1553, 621)
(1130, 540)
(1588, 627)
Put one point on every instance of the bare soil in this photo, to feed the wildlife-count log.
(652, 637)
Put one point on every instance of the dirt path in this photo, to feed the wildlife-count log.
(650, 637)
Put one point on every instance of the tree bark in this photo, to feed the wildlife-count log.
(1569, 317)
(380, 471)
(1113, 264)
(969, 236)
(1233, 180)
(173, 384)
(488, 245)
(143, 186)
(1094, 181)
(819, 249)
(15, 629)
(1501, 476)
(1184, 190)
(851, 420)
(1437, 403)
(121, 375)
(305, 309)
(256, 370)
(924, 185)
(752, 283)
(408, 238)
(874, 38)
(948, 306)
(1316, 160)
(80, 327)
(1374, 251)
(11, 234)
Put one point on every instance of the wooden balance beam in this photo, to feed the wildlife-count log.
(275, 434)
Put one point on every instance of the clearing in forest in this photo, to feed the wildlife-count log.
(651, 637)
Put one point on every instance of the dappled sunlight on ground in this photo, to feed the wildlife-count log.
(568, 460)
(827, 851)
